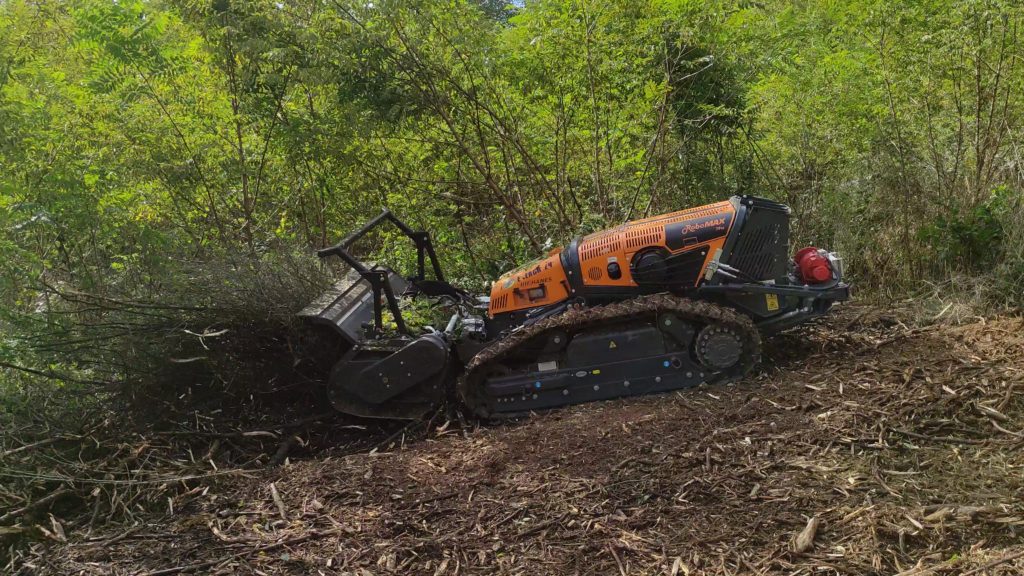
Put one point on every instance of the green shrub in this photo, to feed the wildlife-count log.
(972, 239)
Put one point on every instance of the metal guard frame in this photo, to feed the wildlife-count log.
(378, 279)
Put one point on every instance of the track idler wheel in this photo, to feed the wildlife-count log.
(719, 347)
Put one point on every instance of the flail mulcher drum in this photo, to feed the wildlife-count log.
(649, 306)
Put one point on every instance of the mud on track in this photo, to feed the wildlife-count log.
(906, 445)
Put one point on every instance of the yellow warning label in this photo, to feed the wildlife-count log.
(612, 345)
(595, 372)
(772, 300)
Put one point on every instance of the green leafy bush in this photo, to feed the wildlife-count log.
(973, 239)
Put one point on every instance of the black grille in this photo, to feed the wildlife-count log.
(763, 245)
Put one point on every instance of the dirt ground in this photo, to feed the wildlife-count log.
(863, 446)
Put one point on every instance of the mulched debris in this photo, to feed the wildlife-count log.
(864, 446)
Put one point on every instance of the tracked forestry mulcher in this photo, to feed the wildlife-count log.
(653, 305)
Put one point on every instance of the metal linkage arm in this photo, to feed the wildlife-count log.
(378, 279)
(424, 247)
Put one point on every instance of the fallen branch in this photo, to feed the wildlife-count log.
(938, 438)
(281, 454)
(995, 563)
(805, 540)
(313, 535)
(35, 505)
(278, 502)
(1005, 431)
(51, 375)
(920, 569)
(538, 528)
(45, 442)
(990, 412)
(618, 561)
(116, 539)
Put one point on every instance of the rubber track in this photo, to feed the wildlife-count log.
(578, 318)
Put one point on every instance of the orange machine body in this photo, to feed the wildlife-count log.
(612, 260)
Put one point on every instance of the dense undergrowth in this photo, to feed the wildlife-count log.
(168, 166)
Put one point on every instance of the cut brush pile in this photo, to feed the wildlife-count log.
(863, 447)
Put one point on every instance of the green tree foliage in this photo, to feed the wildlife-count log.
(183, 153)
(882, 122)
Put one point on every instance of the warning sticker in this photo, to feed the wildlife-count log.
(772, 300)
(612, 345)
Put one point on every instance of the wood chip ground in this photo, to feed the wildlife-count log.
(862, 446)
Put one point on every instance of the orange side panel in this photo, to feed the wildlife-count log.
(697, 228)
(545, 281)
(536, 284)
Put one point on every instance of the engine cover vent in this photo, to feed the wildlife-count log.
(599, 246)
(763, 245)
(641, 238)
